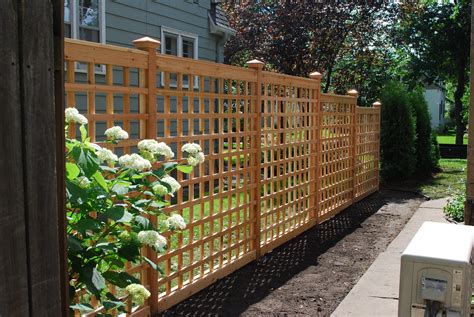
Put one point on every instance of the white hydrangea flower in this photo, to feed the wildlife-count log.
(160, 242)
(155, 148)
(72, 114)
(116, 133)
(106, 155)
(160, 190)
(194, 160)
(191, 148)
(135, 162)
(176, 221)
(138, 293)
(148, 237)
(173, 183)
(83, 181)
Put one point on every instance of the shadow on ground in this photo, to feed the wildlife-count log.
(233, 294)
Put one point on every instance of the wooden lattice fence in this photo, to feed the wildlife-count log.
(281, 156)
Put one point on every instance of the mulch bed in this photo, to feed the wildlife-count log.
(311, 274)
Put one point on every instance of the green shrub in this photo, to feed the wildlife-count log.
(398, 158)
(455, 207)
(424, 148)
(435, 154)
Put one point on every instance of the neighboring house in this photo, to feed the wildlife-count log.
(435, 96)
(195, 29)
(189, 28)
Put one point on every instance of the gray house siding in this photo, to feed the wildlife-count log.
(128, 20)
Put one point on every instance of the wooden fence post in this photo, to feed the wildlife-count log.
(378, 105)
(355, 94)
(315, 147)
(257, 126)
(151, 45)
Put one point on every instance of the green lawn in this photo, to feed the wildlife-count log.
(449, 138)
(451, 179)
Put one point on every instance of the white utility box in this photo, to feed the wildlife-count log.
(435, 274)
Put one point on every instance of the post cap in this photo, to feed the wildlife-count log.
(377, 104)
(353, 93)
(255, 63)
(315, 75)
(146, 43)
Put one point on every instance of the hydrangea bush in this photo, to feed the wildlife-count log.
(109, 199)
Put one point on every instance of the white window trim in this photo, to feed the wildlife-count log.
(74, 16)
(179, 34)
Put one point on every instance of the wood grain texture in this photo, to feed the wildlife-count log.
(13, 256)
(39, 158)
(30, 275)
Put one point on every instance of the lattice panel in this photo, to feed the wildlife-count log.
(288, 156)
(108, 87)
(337, 119)
(216, 200)
(108, 84)
(367, 150)
(280, 156)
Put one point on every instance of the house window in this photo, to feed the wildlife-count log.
(181, 44)
(85, 20)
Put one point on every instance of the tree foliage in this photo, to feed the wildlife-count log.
(425, 151)
(346, 41)
(436, 37)
(397, 139)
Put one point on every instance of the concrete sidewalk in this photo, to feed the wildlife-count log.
(376, 293)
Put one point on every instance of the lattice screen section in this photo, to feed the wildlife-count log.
(280, 156)
(212, 105)
(337, 119)
(367, 151)
(107, 85)
(288, 156)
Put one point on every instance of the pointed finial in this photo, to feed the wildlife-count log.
(146, 43)
(255, 63)
(353, 93)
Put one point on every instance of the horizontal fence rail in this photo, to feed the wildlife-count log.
(281, 156)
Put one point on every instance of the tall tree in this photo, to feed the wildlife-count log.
(298, 37)
(437, 37)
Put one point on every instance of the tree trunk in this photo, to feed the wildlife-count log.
(460, 88)
(328, 80)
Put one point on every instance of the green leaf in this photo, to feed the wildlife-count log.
(144, 223)
(106, 246)
(153, 265)
(87, 224)
(74, 244)
(121, 187)
(109, 169)
(121, 279)
(127, 217)
(185, 169)
(84, 308)
(93, 280)
(83, 130)
(108, 305)
(115, 213)
(87, 161)
(75, 194)
(97, 279)
(165, 168)
(72, 171)
(101, 180)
